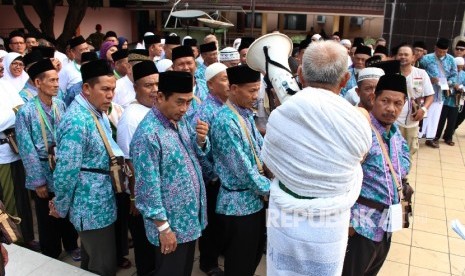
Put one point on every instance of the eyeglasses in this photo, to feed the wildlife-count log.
(17, 64)
(459, 49)
(17, 43)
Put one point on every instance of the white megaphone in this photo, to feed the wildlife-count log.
(269, 54)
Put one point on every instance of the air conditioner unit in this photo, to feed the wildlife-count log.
(320, 19)
(356, 21)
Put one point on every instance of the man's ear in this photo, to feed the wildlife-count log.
(301, 78)
(160, 97)
(344, 80)
(86, 89)
(36, 82)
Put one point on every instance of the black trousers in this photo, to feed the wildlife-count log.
(460, 118)
(144, 251)
(177, 263)
(450, 114)
(23, 201)
(53, 231)
(209, 242)
(98, 252)
(243, 242)
(365, 257)
(121, 225)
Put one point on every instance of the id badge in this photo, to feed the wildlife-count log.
(393, 221)
(443, 84)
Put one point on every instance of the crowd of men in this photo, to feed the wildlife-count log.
(162, 142)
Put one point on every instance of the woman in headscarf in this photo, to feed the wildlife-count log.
(14, 70)
(122, 43)
(106, 50)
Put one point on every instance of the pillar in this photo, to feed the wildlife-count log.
(159, 23)
(336, 23)
(264, 23)
(281, 22)
(346, 26)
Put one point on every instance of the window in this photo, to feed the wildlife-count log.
(258, 20)
(295, 22)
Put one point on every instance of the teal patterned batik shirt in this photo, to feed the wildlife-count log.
(82, 181)
(169, 184)
(31, 142)
(241, 183)
(207, 113)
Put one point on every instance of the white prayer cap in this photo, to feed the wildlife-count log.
(163, 65)
(346, 42)
(213, 70)
(228, 54)
(370, 73)
(163, 41)
(237, 43)
(148, 33)
(459, 61)
(316, 37)
(186, 37)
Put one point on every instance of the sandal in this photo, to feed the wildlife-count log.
(124, 263)
(450, 143)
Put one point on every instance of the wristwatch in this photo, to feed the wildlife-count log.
(425, 110)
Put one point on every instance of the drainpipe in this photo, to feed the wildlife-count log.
(393, 12)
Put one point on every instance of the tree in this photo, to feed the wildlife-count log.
(45, 9)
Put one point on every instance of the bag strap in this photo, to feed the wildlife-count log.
(104, 137)
(388, 159)
(241, 121)
(44, 134)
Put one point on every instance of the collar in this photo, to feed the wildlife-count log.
(163, 119)
(215, 99)
(86, 104)
(45, 107)
(244, 112)
(381, 129)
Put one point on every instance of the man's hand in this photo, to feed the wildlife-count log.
(42, 191)
(132, 208)
(202, 131)
(4, 254)
(417, 116)
(434, 80)
(53, 211)
(168, 242)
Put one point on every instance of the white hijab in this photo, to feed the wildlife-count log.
(17, 82)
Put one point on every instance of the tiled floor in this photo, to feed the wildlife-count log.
(429, 246)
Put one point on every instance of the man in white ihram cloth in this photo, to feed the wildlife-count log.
(314, 144)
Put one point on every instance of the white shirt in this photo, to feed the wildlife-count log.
(69, 75)
(418, 85)
(10, 99)
(352, 96)
(127, 125)
(62, 58)
(124, 92)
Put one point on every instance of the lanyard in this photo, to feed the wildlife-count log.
(75, 66)
(118, 76)
(44, 116)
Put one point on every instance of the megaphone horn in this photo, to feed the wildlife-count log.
(269, 54)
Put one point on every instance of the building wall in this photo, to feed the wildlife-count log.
(371, 27)
(425, 20)
(115, 19)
